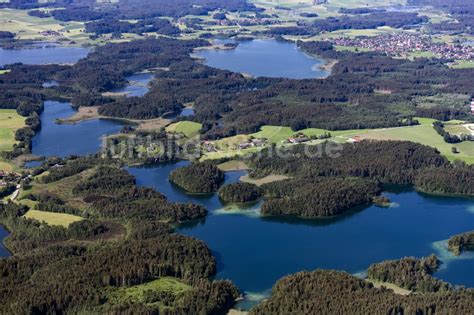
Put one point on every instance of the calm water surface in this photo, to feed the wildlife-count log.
(254, 252)
(66, 139)
(266, 58)
(138, 85)
(42, 55)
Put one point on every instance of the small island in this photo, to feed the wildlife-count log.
(198, 178)
(461, 242)
(240, 193)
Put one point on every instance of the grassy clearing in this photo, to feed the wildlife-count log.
(462, 64)
(424, 134)
(10, 122)
(264, 180)
(457, 129)
(188, 128)
(62, 188)
(233, 166)
(138, 293)
(4, 71)
(52, 218)
(6, 166)
(396, 289)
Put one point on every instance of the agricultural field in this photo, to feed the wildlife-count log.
(10, 121)
(53, 218)
(61, 188)
(423, 133)
(187, 128)
(30, 27)
(462, 64)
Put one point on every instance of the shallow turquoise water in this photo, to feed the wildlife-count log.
(266, 58)
(254, 252)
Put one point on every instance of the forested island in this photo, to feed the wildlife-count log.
(101, 233)
(198, 178)
(462, 242)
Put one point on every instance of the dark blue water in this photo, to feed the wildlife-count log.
(266, 58)
(255, 252)
(187, 112)
(3, 251)
(42, 55)
(138, 85)
(66, 139)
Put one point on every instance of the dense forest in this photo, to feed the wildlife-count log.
(80, 10)
(117, 27)
(333, 292)
(123, 241)
(453, 179)
(227, 103)
(409, 273)
(461, 242)
(198, 177)
(311, 197)
(240, 193)
(390, 162)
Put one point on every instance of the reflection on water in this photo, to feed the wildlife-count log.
(42, 55)
(67, 139)
(254, 251)
(138, 85)
(266, 58)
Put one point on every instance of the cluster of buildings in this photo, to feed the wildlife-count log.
(252, 143)
(403, 44)
(299, 138)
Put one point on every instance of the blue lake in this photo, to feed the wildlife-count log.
(66, 139)
(254, 251)
(43, 55)
(3, 251)
(266, 58)
(138, 85)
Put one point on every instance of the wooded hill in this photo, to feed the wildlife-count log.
(124, 241)
(333, 292)
(322, 184)
(198, 177)
(410, 273)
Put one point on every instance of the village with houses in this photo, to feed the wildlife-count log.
(404, 44)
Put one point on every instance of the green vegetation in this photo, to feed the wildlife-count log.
(10, 122)
(52, 218)
(202, 177)
(187, 128)
(451, 180)
(311, 197)
(333, 292)
(461, 242)
(423, 134)
(240, 193)
(409, 273)
(164, 292)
